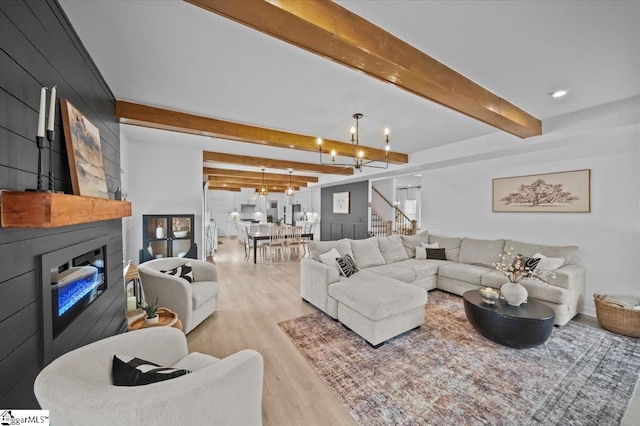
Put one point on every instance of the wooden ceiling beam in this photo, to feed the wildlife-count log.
(224, 188)
(331, 31)
(164, 119)
(270, 163)
(252, 183)
(211, 171)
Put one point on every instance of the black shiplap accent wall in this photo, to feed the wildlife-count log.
(38, 47)
(353, 225)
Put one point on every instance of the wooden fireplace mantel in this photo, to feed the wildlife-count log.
(50, 210)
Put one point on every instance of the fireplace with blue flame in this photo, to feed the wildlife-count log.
(73, 278)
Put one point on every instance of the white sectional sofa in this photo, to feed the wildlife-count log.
(384, 298)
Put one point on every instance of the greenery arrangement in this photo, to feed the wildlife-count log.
(150, 310)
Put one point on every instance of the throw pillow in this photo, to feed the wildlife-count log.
(430, 246)
(131, 371)
(329, 258)
(548, 263)
(421, 252)
(530, 262)
(183, 271)
(436, 253)
(347, 265)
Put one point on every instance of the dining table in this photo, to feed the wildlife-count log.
(261, 236)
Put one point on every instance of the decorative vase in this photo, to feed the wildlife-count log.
(514, 293)
(151, 321)
(159, 232)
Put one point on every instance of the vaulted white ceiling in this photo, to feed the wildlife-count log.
(174, 55)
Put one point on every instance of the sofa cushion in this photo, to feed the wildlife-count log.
(377, 297)
(405, 275)
(421, 268)
(483, 252)
(450, 244)
(411, 241)
(316, 248)
(527, 249)
(463, 272)
(392, 249)
(366, 252)
(202, 292)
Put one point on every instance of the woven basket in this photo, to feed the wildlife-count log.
(617, 319)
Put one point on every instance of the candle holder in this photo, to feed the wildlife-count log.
(40, 143)
(50, 136)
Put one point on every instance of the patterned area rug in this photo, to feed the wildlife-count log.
(445, 373)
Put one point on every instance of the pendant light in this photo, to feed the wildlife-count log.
(290, 192)
(262, 191)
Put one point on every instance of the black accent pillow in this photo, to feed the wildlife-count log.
(131, 371)
(347, 265)
(183, 271)
(530, 263)
(436, 253)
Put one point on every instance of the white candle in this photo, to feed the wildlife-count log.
(131, 303)
(52, 110)
(43, 101)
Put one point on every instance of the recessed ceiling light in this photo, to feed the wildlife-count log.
(418, 175)
(558, 93)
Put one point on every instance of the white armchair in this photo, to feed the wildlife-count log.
(76, 388)
(193, 302)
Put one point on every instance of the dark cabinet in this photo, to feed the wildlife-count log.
(167, 236)
(292, 213)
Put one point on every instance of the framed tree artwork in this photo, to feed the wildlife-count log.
(561, 192)
(341, 202)
(84, 153)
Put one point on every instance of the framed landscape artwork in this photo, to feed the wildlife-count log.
(562, 192)
(84, 152)
(341, 202)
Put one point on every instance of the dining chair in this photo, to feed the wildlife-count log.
(276, 241)
(304, 241)
(294, 240)
(248, 245)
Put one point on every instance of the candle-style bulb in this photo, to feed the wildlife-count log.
(52, 110)
(333, 152)
(361, 154)
(353, 130)
(319, 140)
(41, 112)
(386, 131)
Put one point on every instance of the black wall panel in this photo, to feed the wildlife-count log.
(38, 47)
(353, 225)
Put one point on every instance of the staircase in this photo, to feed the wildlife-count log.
(382, 227)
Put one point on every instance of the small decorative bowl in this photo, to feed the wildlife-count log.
(180, 234)
(489, 295)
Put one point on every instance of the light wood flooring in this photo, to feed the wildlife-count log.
(253, 299)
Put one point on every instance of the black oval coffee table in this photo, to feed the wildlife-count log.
(524, 326)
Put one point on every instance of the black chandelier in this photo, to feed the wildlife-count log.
(358, 154)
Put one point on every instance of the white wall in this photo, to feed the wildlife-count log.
(456, 199)
(161, 179)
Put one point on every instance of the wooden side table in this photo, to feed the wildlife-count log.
(167, 319)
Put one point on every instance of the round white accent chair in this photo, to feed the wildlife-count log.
(77, 387)
(193, 302)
